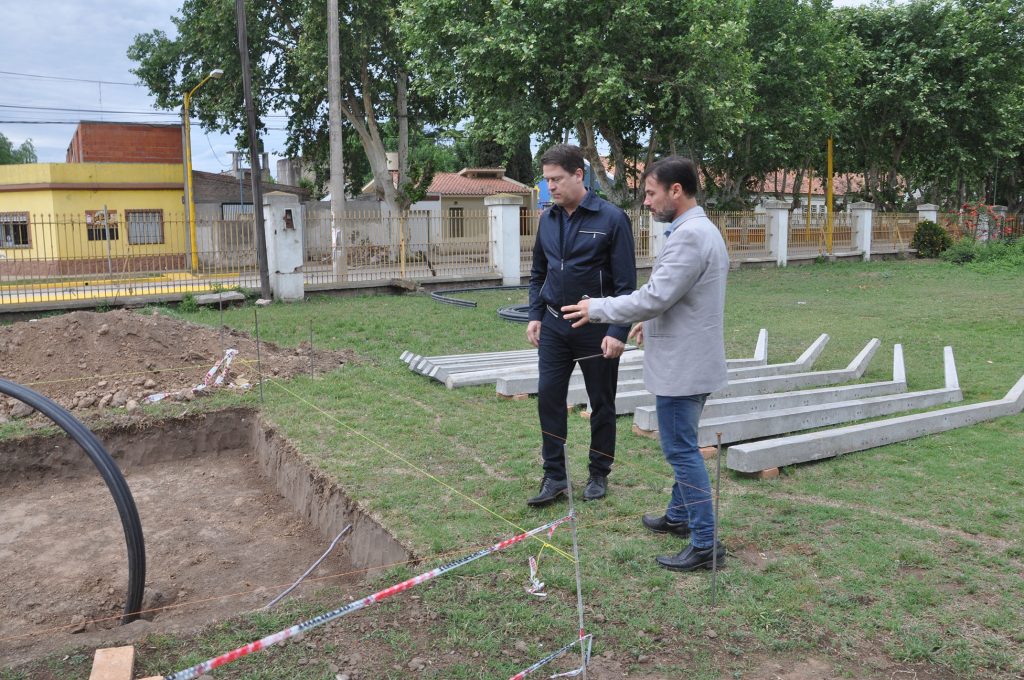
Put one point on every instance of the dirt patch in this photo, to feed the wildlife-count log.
(231, 516)
(88, 360)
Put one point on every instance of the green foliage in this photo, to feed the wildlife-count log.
(10, 154)
(930, 239)
(961, 252)
(188, 304)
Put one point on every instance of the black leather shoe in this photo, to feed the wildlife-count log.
(691, 559)
(597, 487)
(660, 524)
(550, 489)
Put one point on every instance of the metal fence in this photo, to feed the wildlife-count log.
(811, 238)
(103, 256)
(892, 232)
(982, 225)
(745, 233)
(370, 245)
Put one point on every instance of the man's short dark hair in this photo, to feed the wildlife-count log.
(566, 156)
(674, 170)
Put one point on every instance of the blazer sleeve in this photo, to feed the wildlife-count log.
(679, 268)
(623, 263)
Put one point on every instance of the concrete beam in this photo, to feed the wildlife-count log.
(630, 397)
(646, 417)
(801, 365)
(780, 451)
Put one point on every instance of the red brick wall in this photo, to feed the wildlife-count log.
(125, 143)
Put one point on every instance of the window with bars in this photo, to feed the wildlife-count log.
(96, 230)
(14, 230)
(145, 226)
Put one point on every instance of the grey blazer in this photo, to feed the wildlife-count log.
(683, 310)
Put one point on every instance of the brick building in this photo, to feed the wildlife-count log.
(103, 142)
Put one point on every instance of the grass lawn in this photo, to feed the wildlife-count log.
(903, 558)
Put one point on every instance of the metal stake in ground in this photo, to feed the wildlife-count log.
(220, 305)
(311, 349)
(259, 365)
(576, 562)
(714, 541)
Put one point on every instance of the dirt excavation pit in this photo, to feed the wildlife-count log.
(231, 517)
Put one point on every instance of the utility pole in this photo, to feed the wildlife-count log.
(254, 153)
(338, 255)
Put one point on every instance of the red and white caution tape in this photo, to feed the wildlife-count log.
(228, 657)
(584, 640)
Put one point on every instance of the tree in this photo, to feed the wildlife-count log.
(288, 45)
(10, 154)
(536, 66)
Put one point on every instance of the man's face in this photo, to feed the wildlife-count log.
(566, 188)
(661, 201)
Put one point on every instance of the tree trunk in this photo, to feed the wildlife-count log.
(402, 108)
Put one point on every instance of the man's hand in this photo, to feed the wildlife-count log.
(612, 347)
(533, 333)
(579, 313)
(637, 333)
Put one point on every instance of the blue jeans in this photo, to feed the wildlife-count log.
(691, 493)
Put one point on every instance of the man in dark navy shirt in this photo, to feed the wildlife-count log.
(584, 249)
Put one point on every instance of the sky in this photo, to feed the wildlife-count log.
(88, 40)
(65, 61)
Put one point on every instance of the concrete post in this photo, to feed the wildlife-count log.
(503, 217)
(996, 229)
(283, 216)
(778, 230)
(928, 212)
(863, 214)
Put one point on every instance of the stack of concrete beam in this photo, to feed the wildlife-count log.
(520, 366)
(770, 454)
(631, 371)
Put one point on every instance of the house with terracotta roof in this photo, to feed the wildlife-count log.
(782, 184)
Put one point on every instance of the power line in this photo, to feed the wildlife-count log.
(74, 80)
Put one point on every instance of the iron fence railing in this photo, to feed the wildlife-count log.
(892, 232)
(745, 233)
(807, 238)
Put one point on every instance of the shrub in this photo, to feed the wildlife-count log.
(188, 304)
(963, 251)
(930, 239)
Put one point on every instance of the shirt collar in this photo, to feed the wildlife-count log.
(590, 202)
(695, 211)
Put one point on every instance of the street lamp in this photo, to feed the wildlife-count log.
(190, 208)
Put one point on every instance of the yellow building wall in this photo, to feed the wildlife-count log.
(58, 197)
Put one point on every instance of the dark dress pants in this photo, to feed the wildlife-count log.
(560, 343)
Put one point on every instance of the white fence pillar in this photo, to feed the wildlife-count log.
(503, 218)
(658, 235)
(778, 230)
(928, 212)
(282, 214)
(863, 221)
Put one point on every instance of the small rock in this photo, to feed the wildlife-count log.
(642, 658)
(22, 410)
(711, 634)
(82, 365)
(107, 398)
(303, 662)
(87, 401)
(132, 406)
(101, 384)
(120, 399)
(104, 329)
(149, 384)
(600, 618)
(417, 664)
(522, 646)
(77, 624)
(342, 676)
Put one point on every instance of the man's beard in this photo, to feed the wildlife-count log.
(666, 215)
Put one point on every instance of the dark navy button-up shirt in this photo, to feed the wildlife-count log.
(587, 254)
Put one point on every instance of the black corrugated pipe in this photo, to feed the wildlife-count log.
(442, 295)
(111, 476)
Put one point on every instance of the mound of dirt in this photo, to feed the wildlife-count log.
(90, 360)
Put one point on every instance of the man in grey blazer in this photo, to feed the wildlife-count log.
(682, 309)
